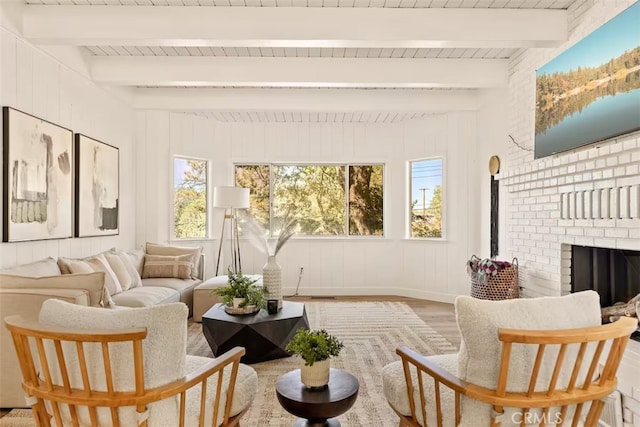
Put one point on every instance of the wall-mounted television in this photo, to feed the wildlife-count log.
(591, 92)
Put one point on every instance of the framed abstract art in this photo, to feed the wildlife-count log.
(37, 178)
(97, 188)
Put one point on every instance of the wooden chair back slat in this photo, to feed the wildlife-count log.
(82, 366)
(438, 404)
(593, 365)
(545, 414)
(576, 415)
(563, 413)
(422, 397)
(525, 411)
(577, 366)
(536, 369)
(216, 404)
(409, 382)
(504, 369)
(556, 369)
(44, 365)
(457, 404)
(62, 365)
(613, 360)
(183, 406)
(230, 391)
(106, 364)
(203, 400)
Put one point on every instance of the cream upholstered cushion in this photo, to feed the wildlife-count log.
(156, 249)
(92, 282)
(167, 266)
(245, 391)
(146, 296)
(164, 352)
(136, 256)
(479, 356)
(95, 263)
(130, 267)
(119, 269)
(395, 390)
(44, 267)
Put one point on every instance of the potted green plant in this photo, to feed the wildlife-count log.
(242, 293)
(315, 347)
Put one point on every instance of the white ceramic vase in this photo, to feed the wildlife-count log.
(237, 302)
(316, 375)
(272, 279)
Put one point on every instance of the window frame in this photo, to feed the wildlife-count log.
(409, 234)
(346, 166)
(208, 189)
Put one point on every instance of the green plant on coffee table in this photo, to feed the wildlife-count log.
(240, 286)
(314, 345)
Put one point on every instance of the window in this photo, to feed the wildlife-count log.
(326, 200)
(426, 198)
(190, 183)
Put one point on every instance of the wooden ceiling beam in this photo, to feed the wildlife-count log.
(309, 100)
(294, 27)
(298, 72)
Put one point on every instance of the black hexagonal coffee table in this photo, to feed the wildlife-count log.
(263, 335)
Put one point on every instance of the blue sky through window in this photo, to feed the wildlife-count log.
(425, 174)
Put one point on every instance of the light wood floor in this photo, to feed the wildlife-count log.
(439, 316)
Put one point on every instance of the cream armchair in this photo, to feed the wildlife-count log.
(92, 366)
(542, 361)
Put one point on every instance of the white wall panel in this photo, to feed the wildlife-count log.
(336, 266)
(34, 82)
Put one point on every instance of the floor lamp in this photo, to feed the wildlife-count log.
(230, 199)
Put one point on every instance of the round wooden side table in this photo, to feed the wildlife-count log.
(317, 407)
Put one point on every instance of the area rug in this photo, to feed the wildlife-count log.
(370, 331)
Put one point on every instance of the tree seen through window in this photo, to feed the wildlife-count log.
(325, 200)
(190, 198)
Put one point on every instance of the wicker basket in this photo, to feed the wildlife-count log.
(503, 285)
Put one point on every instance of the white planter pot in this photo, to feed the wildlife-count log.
(237, 302)
(316, 375)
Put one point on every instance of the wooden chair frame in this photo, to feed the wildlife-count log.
(617, 333)
(40, 388)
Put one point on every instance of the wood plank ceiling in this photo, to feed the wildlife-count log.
(299, 60)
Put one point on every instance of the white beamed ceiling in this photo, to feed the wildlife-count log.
(299, 60)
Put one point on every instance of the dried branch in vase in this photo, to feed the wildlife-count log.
(260, 237)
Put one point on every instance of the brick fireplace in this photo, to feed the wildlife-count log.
(587, 197)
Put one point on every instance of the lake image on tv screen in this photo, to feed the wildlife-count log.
(591, 92)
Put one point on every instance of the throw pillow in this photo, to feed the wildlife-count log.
(120, 270)
(156, 249)
(95, 263)
(479, 356)
(130, 267)
(167, 266)
(164, 353)
(136, 256)
(44, 267)
(92, 282)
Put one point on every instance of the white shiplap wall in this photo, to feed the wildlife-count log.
(537, 227)
(335, 266)
(34, 82)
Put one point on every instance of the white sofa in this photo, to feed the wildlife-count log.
(27, 300)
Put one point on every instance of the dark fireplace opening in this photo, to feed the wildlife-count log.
(613, 273)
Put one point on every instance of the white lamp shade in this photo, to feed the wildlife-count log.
(231, 197)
